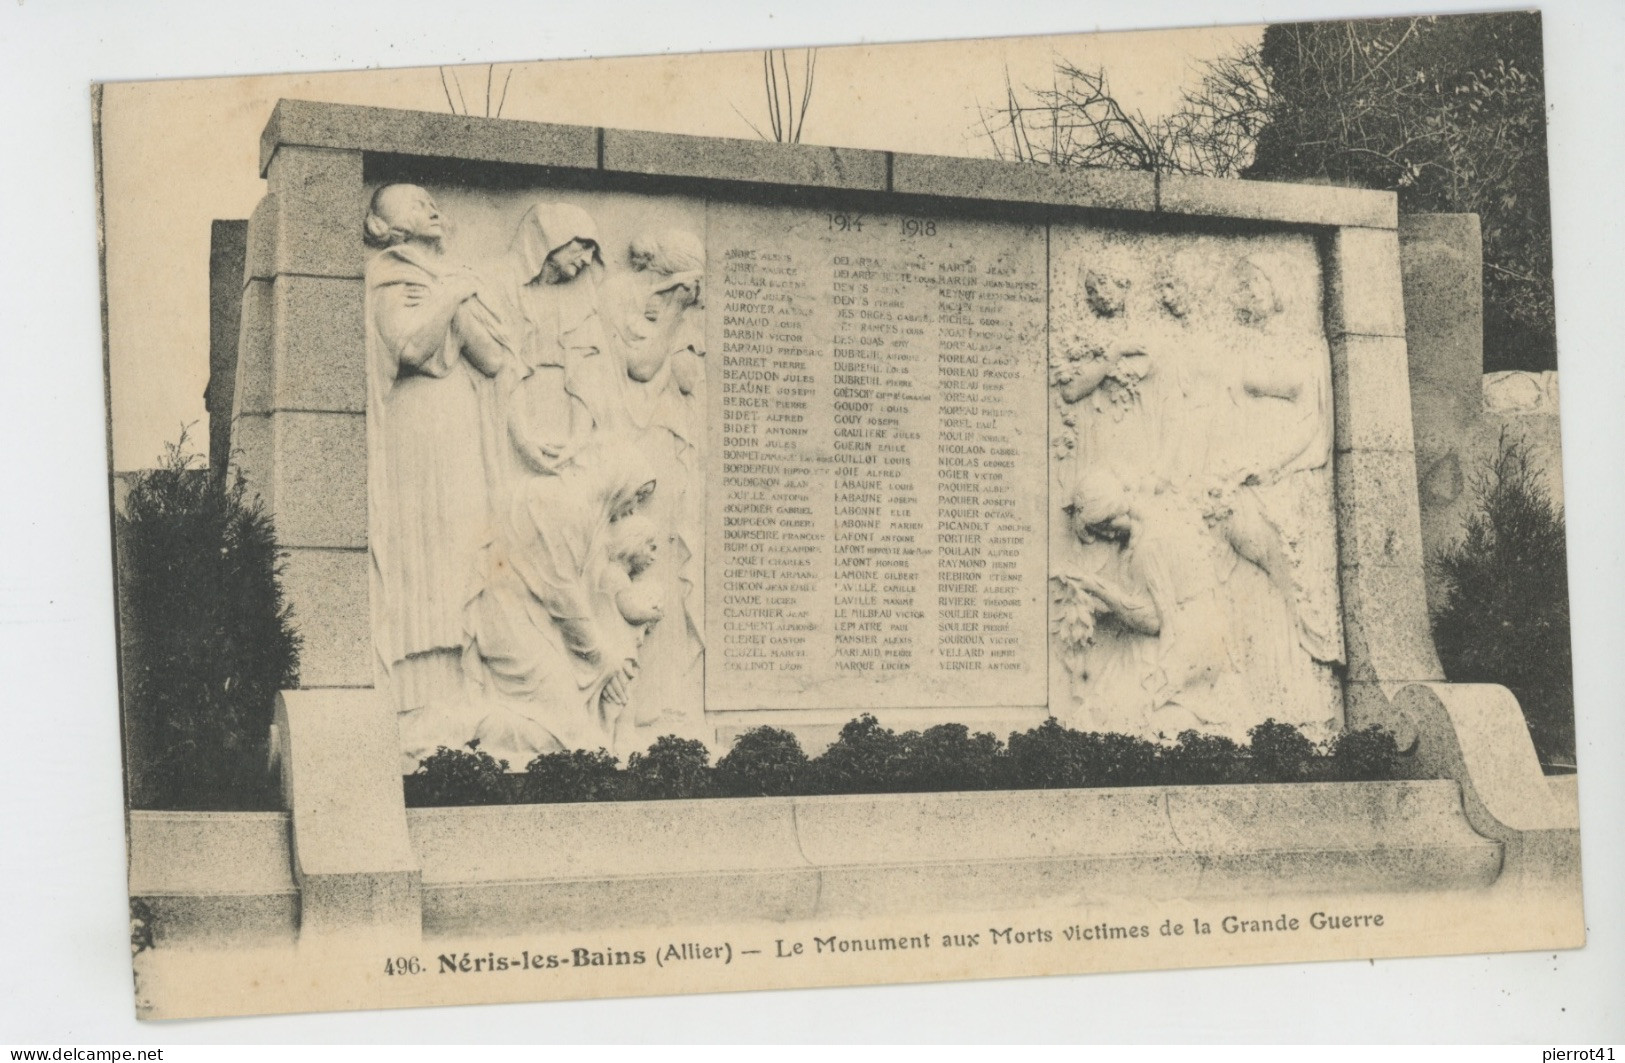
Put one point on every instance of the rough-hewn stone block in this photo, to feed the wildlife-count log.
(330, 596)
(1019, 182)
(1371, 396)
(313, 173)
(307, 236)
(354, 862)
(1378, 520)
(321, 345)
(1298, 204)
(255, 344)
(1385, 624)
(1363, 283)
(331, 125)
(214, 879)
(630, 151)
(320, 479)
(252, 456)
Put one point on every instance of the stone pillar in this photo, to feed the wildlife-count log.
(227, 247)
(1379, 532)
(1441, 256)
(300, 424)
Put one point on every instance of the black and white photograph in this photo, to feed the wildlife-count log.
(840, 515)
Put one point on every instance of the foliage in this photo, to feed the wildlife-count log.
(1505, 612)
(574, 775)
(673, 768)
(1449, 112)
(206, 638)
(1051, 755)
(142, 922)
(1198, 758)
(1363, 755)
(862, 760)
(458, 777)
(764, 762)
(1077, 122)
(787, 102)
(1279, 752)
(949, 757)
(867, 758)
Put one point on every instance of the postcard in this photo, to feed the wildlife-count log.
(838, 516)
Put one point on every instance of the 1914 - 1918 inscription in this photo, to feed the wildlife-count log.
(877, 403)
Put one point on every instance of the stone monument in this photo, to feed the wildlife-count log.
(576, 438)
(569, 457)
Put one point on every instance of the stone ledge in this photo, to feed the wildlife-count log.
(590, 866)
(1476, 734)
(499, 140)
(401, 132)
(1015, 182)
(214, 879)
(725, 159)
(1298, 204)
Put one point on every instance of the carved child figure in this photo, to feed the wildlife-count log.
(632, 554)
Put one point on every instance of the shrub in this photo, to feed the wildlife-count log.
(1051, 755)
(1278, 752)
(206, 639)
(458, 777)
(949, 757)
(862, 760)
(1505, 614)
(672, 768)
(1367, 755)
(1197, 758)
(764, 762)
(870, 759)
(575, 775)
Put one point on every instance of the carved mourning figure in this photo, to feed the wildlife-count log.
(1189, 589)
(526, 564)
(551, 278)
(566, 604)
(435, 348)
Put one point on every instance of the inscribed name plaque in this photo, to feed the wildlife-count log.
(875, 525)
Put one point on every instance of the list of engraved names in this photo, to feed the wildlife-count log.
(876, 428)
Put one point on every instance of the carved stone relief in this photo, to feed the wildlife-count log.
(534, 436)
(1193, 547)
(544, 431)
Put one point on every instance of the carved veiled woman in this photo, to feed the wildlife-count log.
(555, 657)
(554, 268)
(433, 348)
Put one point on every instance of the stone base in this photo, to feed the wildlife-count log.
(214, 879)
(338, 750)
(575, 867)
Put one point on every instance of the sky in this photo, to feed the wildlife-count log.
(179, 154)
